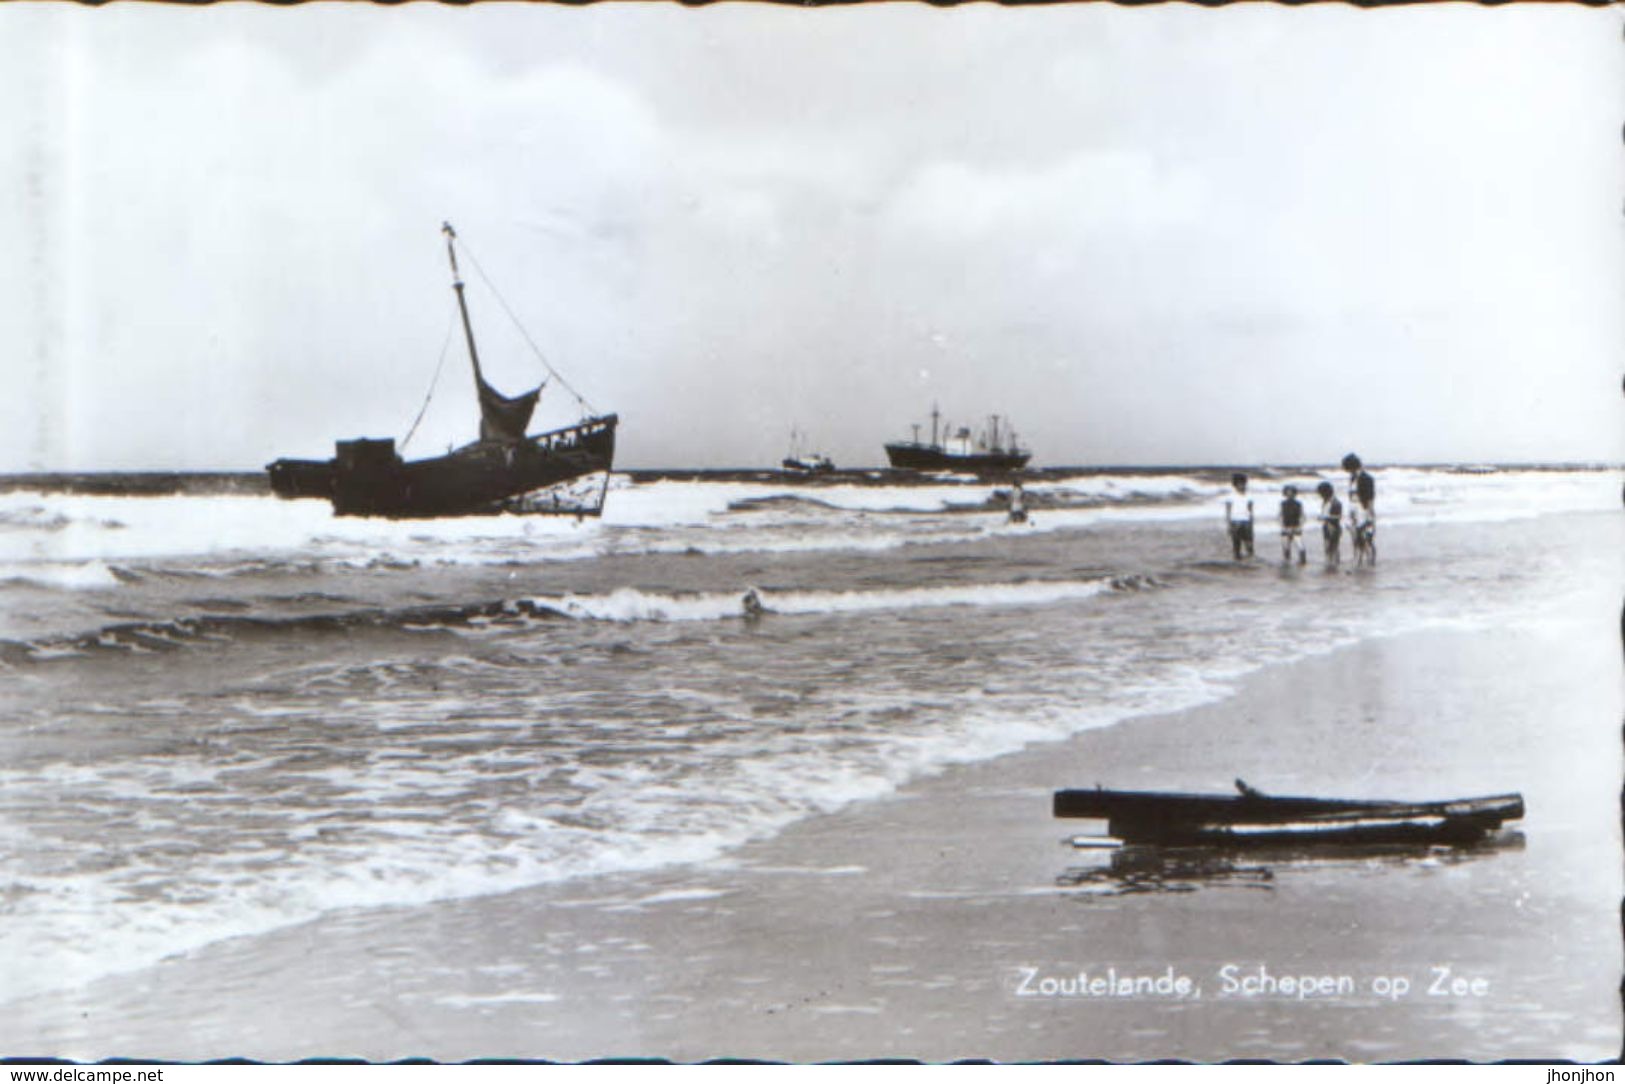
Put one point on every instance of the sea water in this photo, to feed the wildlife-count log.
(225, 714)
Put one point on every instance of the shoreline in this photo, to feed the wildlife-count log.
(901, 926)
(203, 483)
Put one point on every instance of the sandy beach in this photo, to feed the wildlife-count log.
(923, 925)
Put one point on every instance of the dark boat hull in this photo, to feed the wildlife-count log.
(368, 478)
(1255, 820)
(301, 477)
(927, 457)
(802, 466)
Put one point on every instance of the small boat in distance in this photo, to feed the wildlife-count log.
(989, 452)
(804, 462)
(503, 471)
(1252, 819)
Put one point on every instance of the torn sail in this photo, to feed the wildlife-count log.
(503, 418)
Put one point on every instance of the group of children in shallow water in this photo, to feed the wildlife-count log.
(1362, 518)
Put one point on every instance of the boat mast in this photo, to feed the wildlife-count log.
(462, 305)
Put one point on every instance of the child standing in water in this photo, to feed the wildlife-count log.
(1238, 514)
(1362, 510)
(1363, 521)
(1292, 526)
(1331, 523)
(1018, 504)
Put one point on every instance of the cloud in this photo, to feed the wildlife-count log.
(1088, 192)
(727, 221)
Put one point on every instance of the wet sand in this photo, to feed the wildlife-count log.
(915, 926)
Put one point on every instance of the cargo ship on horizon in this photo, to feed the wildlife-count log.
(951, 449)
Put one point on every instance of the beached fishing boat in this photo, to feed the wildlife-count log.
(505, 470)
(950, 449)
(1250, 818)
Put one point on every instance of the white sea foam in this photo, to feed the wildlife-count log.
(73, 575)
(299, 862)
(43, 536)
(88, 528)
(1424, 496)
(630, 604)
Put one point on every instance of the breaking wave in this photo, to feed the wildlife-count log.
(621, 605)
(629, 604)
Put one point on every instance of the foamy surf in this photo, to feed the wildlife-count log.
(45, 536)
(70, 575)
(629, 604)
(179, 893)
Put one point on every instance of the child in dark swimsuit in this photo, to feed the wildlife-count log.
(1331, 523)
(1292, 526)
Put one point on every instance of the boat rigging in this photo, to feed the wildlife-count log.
(505, 470)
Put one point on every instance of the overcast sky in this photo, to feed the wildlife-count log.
(1160, 235)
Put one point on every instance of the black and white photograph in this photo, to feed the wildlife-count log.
(749, 531)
